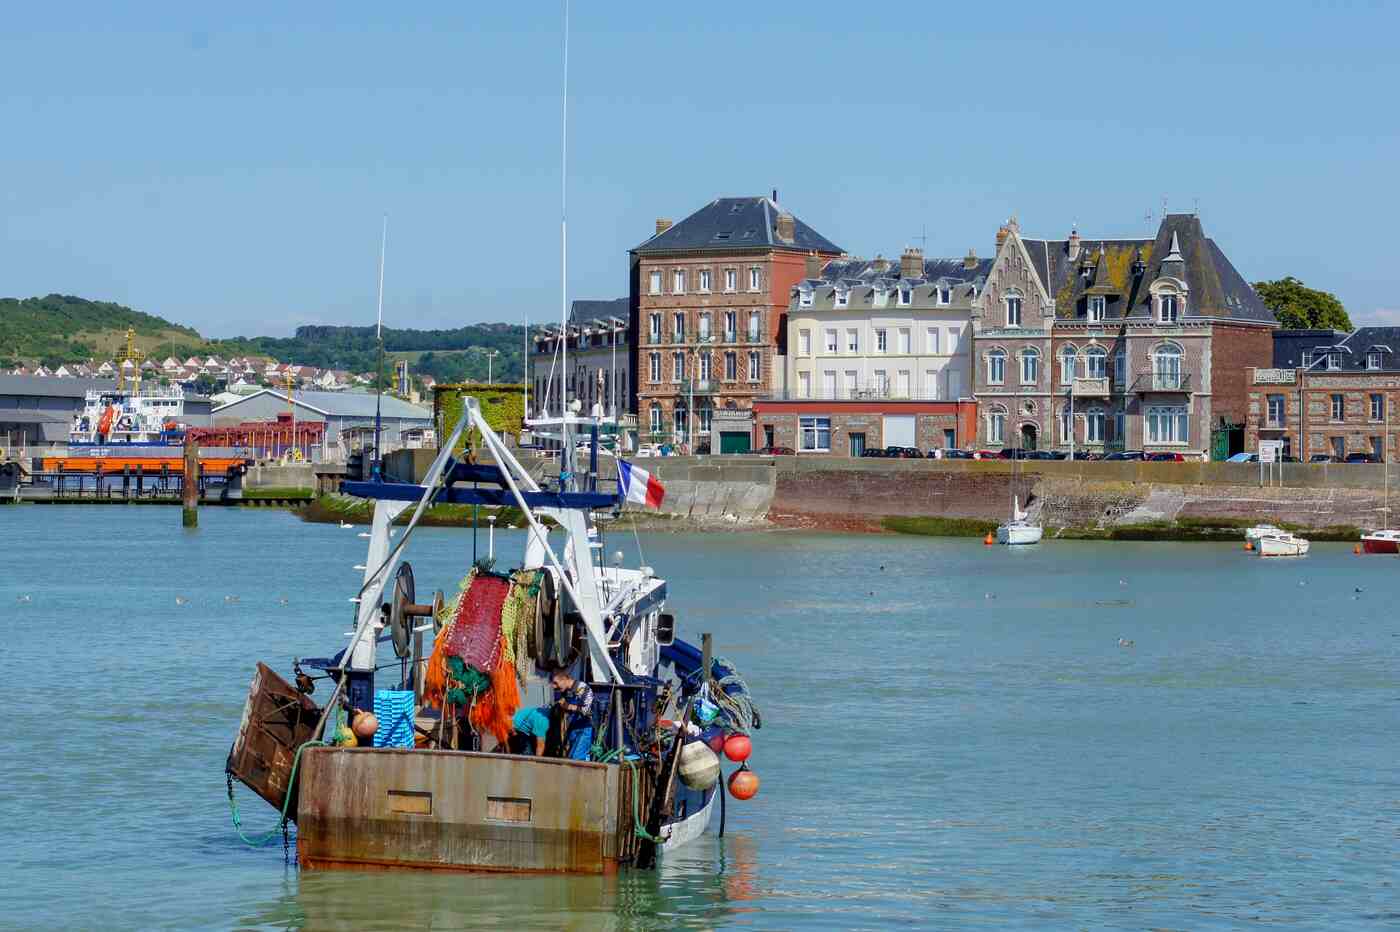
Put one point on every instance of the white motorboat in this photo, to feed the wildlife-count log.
(1282, 544)
(1018, 530)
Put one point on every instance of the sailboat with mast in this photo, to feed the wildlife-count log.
(1387, 539)
(1019, 530)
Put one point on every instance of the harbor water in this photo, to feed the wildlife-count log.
(1076, 735)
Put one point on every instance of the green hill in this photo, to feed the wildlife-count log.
(60, 329)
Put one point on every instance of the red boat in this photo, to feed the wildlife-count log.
(1381, 542)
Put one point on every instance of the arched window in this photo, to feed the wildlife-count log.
(1067, 359)
(680, 422)
(1064, 420)
(996, 367)
(1166, 367)
(1120, 366)
(1094, 423)
(1170, 305)
(1096, 362)
(996, 424)
(1013, 309)
(1030, 365)
(655, 418)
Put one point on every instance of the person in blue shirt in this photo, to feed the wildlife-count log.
(531, 728)
(576, 701)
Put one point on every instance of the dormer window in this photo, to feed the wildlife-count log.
(1334, 360)
(1307, 359)
(1097, 305)
(945, 295)
(1373, 359)
(1013, 310)
(1167, 311)
(841, 298)
(905, 296)
(879, 296)
(804, 299)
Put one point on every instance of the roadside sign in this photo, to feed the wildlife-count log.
(1270, 451)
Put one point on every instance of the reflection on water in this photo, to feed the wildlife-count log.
(954, 734)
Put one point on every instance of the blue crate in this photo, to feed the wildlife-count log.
(395, 710)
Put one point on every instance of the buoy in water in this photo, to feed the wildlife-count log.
(365, 725)
(743, 783)
(1356, 549)
(738, 748)
(989, 539)
(1249, 545)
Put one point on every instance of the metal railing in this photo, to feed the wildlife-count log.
(699, 386)
(866, 393)
(1163, 381)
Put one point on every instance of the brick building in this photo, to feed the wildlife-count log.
(877, 356)
(710, 295)
(1117, 343)
(1346, 383)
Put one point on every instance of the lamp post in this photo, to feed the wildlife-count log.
(490, 357)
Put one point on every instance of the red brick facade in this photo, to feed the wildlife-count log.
(938, 424)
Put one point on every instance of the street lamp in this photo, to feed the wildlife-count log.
(490, 356)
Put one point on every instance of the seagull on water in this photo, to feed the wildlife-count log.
(1124, 642)
(25, 598)
(230, 598)
(282, 600)
(181, 600)
(346, 524)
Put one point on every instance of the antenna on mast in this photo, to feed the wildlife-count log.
(564, 235)
(376, 463)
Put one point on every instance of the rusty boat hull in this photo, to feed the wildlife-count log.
(382, 808)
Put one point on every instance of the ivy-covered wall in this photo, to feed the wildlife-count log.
(503, 405)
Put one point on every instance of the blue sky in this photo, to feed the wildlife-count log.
(231, 173)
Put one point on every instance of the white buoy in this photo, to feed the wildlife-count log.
(699, 768)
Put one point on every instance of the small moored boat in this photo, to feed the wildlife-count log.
(1253, 534)
(1019, 530)
(1282, 544)
(1384, 541)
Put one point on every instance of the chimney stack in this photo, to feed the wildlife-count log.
(911, 263)
(1073, 245)
(970, 260)
(662, 225)
(787, 227)
(814, 265)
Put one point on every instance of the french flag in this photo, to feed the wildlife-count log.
(639, 486)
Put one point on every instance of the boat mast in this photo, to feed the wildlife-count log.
(566, 452)
(379, 335)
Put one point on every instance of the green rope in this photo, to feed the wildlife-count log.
(282, 825)
(639, 828)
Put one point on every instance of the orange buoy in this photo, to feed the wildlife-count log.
(1356, 550)
(716, 742)
(743, 783)
(365, 725)
(738, 748)
(989, 539)
(1248, 545)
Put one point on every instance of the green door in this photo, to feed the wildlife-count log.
(733, 442)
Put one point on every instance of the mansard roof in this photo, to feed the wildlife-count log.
(1215, 287)
(868, 271)
(728, 224)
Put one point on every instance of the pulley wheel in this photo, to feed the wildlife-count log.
(400, 621)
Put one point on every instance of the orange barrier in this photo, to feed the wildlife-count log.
(150, 465)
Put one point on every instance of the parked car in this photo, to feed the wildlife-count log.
(902, 453)
(1361, 458)
(1121, 455)
(1042, 455)
(1013, 453)
(986, 455)
(1166, 458)
(873, 452)
(1244, 458)
(1087, 455)
(954, 454)
(1058, 454)
(646, 450)
(775, 451)
(1319, 458)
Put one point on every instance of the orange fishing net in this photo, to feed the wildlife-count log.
(465, 639)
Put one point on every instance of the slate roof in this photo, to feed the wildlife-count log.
(1289, 346)
(1216, 288)
(583, 311)
(729, 223)
(868, 271)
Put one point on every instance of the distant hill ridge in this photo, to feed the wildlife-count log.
(61, 329)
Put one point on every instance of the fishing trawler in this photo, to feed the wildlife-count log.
(143, 414)
(420, 783)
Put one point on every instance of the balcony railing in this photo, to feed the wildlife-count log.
(1275, 376)
(868, 393)
(1090, 388)
(655, 339)
(1163, 381)
(699, 387)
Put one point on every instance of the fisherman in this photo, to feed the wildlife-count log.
(531, 728)
(576, 703)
